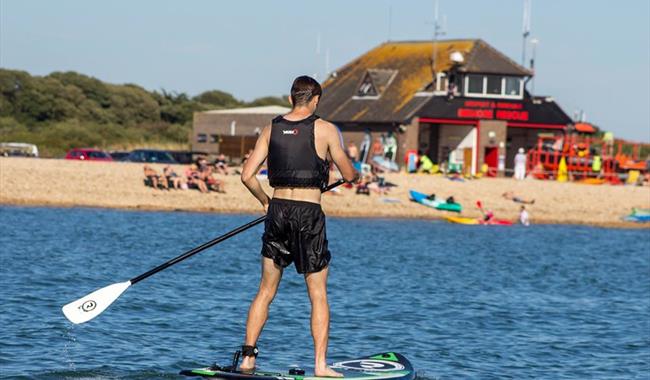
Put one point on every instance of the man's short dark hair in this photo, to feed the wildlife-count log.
(304, 89)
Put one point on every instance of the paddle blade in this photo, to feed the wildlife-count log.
(86, 308)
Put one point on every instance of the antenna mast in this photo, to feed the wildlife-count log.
(533, 42)
(390, 19)
(438, 30)
(525, 30)
(318, 36)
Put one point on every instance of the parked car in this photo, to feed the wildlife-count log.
(88, 154)
(119, 156)
(151, 156)
(18, 149)
(186, 156)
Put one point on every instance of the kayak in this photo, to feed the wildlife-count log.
(493, 222)
(638, 215)
(388, 365)
(462, 220)
(422, 199)
(637, 218)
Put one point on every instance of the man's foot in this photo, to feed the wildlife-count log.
(326, 372)
(247, 364)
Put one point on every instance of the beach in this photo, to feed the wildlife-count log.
(69, 183)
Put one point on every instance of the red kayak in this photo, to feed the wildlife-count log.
(496, 222)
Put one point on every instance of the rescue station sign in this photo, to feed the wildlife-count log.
(540, 113)
(486, 109)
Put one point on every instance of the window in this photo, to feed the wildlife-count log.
(374, 82)
(441, 82)
(94, 154)
(366, 88)
(214, 139)
(494, 85)
(513, 86)
(475, 84)
(201, 138)
(154, 156)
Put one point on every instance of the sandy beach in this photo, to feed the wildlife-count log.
(65, 183)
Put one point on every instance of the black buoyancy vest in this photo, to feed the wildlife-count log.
(292, 159)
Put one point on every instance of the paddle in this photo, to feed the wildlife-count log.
(93, 304)
(480, 207)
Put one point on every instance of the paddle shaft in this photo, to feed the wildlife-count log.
(211, 243)
(479, 204)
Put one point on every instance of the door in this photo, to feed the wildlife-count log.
(467, 161)
(491, 159)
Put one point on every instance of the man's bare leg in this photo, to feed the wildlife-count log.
(320, 321)
(259, 310)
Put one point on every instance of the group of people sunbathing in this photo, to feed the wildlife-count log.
(200, 175)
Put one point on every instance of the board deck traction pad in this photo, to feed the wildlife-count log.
(387, 365)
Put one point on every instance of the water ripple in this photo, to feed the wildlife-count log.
(561, 302)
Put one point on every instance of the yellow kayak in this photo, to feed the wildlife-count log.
(461, 220)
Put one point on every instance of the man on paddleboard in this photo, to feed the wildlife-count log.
(296, 146)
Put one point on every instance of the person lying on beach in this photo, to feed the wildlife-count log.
(194, 179)
(172, 177)
(509, 195)
(156, 180)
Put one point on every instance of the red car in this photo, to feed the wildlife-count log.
(88, 154)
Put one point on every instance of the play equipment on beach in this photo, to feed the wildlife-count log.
(577, 156)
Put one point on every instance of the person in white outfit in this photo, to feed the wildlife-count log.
(520, 164)
(524, 219)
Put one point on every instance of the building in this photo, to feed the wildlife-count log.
(459, 101)
(232, 131)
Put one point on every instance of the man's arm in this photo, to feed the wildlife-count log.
(336, 151)
(252, 165)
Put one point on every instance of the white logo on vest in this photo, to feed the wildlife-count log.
(290, 131)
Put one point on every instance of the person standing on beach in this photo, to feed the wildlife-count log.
(296, 146)
(524, 219)
(520, 164)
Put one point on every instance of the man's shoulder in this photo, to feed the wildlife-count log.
(325, 125)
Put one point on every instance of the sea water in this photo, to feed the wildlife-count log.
(551, 301)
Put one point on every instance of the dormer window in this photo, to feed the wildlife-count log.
(367, 88)
(493, 86)
(374, 82)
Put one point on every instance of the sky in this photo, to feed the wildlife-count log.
(592, 55)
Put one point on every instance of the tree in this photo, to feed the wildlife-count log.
(270, 101)
(219, 99)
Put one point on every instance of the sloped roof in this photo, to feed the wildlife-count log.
(274, 110)
(409, 63)
(487, 60)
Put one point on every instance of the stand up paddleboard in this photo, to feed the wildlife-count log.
(388, 365)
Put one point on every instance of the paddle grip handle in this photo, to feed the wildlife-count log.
(211, 243)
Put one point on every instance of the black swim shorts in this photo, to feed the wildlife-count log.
(294, 231)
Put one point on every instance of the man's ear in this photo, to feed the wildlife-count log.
(290, 100)
(315, 100)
